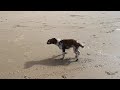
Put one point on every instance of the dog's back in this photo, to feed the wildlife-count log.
(70, 43)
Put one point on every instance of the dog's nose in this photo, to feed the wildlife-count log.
(48, 42)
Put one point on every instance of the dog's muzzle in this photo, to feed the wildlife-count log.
(48, 42)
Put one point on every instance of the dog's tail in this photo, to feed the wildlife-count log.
(80, 45)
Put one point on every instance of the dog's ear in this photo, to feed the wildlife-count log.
(54, 38)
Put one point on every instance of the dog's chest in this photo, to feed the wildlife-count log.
(60, 45)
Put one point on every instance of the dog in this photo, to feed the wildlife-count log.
(66, 44)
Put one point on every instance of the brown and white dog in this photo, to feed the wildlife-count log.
(66, 44)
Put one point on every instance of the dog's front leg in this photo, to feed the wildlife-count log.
(63, 53)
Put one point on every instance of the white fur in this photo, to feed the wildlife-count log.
(77, 42)
(58, 39)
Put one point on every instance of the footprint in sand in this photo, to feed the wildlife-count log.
(18, 38)
(2, 20)
(102, 23)
(63, 23)
(77, 15)
(88, 54)
(111, 73)
(19, 26)
(102, 13)
(98, 66)
(63, 76)
(94, 36)
(74, 15)
(44, 23)
(118, 57)
(81, 27)
(26, 77)
(110, 31)
(27, 54)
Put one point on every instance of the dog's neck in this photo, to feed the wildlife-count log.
(58, 40)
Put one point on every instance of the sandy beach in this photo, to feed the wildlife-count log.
(24, 53)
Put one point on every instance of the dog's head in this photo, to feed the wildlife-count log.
(52, 41)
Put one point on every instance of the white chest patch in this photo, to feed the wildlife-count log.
(60, 46)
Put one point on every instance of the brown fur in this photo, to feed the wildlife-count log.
(66, 44)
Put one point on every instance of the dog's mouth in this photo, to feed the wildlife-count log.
(48, 42)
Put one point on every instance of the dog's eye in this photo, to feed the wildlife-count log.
(48, 42)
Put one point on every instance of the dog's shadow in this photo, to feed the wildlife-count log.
(49, 62)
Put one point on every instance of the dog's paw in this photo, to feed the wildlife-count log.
(65, 52)
(76, 60)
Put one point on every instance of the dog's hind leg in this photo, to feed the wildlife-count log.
(77, 52)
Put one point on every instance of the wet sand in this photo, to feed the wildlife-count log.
(24, 53)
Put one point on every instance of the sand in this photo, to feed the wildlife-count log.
(24, 53)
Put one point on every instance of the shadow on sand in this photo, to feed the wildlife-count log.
(49, 62)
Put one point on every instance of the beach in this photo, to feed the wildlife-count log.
(24, 53)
